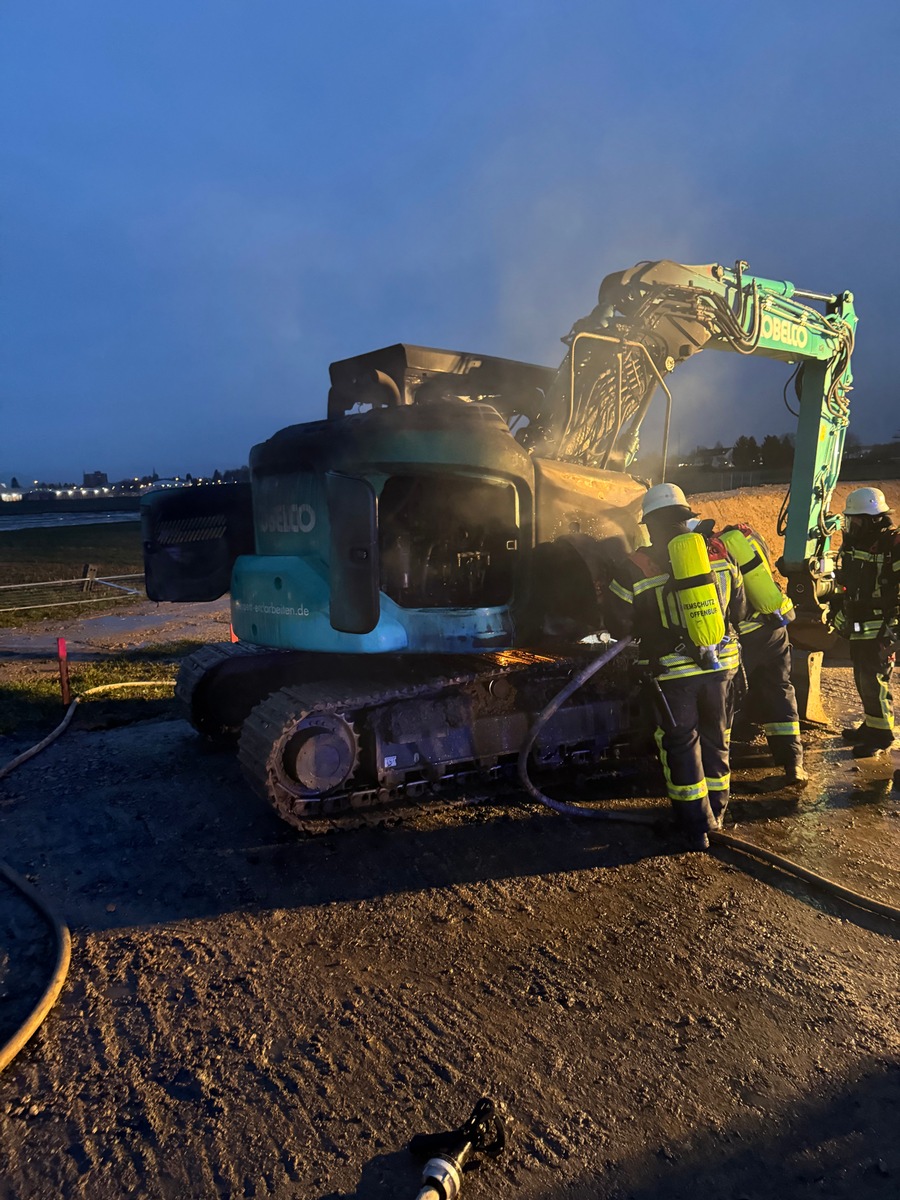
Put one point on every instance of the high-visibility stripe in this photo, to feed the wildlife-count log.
(887, 709)
(666, 618)
(644, 585)
(677, 666)
(781, 728)
(678, 791)
(687, 794)
(720, 783)
(750, 625)
(880, 722)
(866, 631)
(622, 593)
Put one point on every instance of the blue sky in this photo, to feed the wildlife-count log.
(203, 204)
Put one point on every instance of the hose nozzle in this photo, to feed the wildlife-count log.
(454, 1151)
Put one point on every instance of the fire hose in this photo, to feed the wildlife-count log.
(574, 810)
(63, 953)
(62, 937)
(717, 838)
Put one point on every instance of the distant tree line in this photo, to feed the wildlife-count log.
(772, 452)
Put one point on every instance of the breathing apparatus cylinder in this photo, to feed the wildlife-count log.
(697, 595)
(763, 592)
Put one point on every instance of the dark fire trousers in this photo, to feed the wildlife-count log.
(872, 672)
(694, 753)
(766, 655)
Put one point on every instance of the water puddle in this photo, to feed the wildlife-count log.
(845, 824)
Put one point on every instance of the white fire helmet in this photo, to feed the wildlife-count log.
(665, 495)
(865, 502)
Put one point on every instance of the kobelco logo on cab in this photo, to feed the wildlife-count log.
(289, 518)
(777, 330)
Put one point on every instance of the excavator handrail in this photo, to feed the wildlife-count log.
(600, 337)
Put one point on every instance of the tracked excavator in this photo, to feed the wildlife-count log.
(413, 577)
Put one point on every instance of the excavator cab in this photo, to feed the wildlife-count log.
(406, 521)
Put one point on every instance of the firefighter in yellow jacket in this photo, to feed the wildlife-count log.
(865, 611)
(766, 649)
(677, 597)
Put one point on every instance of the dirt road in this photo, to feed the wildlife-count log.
(252, 1014)
(249, 1014)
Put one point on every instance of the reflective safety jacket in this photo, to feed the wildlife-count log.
(868, 579)
(757, 620)
(642, 603)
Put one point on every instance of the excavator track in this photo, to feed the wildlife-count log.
(330, 732)
(219, 684)
(199, 664)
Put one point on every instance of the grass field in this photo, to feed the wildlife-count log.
(33, 555)
(40, 555)
(33, 701)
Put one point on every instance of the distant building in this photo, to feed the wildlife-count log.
(717, 458)
(95, 479)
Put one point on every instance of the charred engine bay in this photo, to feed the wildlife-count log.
(252, 1013)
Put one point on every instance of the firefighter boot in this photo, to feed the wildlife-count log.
(873, 743)
(718, 802)
(695, 839)
(854, 734)
(795, 774)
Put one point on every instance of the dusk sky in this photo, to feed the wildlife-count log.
(203, 204)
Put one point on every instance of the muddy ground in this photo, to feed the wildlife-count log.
(252, 1014)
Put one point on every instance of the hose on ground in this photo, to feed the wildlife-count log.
(60, 931)
(573, 810)
(70, 713)
(820, 881)
(60, 969)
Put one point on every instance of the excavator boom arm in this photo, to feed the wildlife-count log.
(657, 314)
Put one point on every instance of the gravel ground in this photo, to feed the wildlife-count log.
(249, 1013)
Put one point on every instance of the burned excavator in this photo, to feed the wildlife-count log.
(412, 577)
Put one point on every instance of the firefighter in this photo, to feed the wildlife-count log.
(766, 649)
(644, 601)
(865, 612)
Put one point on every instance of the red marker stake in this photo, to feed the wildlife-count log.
(63, 655)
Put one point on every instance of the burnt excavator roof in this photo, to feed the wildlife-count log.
(355, 381)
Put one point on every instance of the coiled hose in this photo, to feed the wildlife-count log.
(727, 840)
(61, 933)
